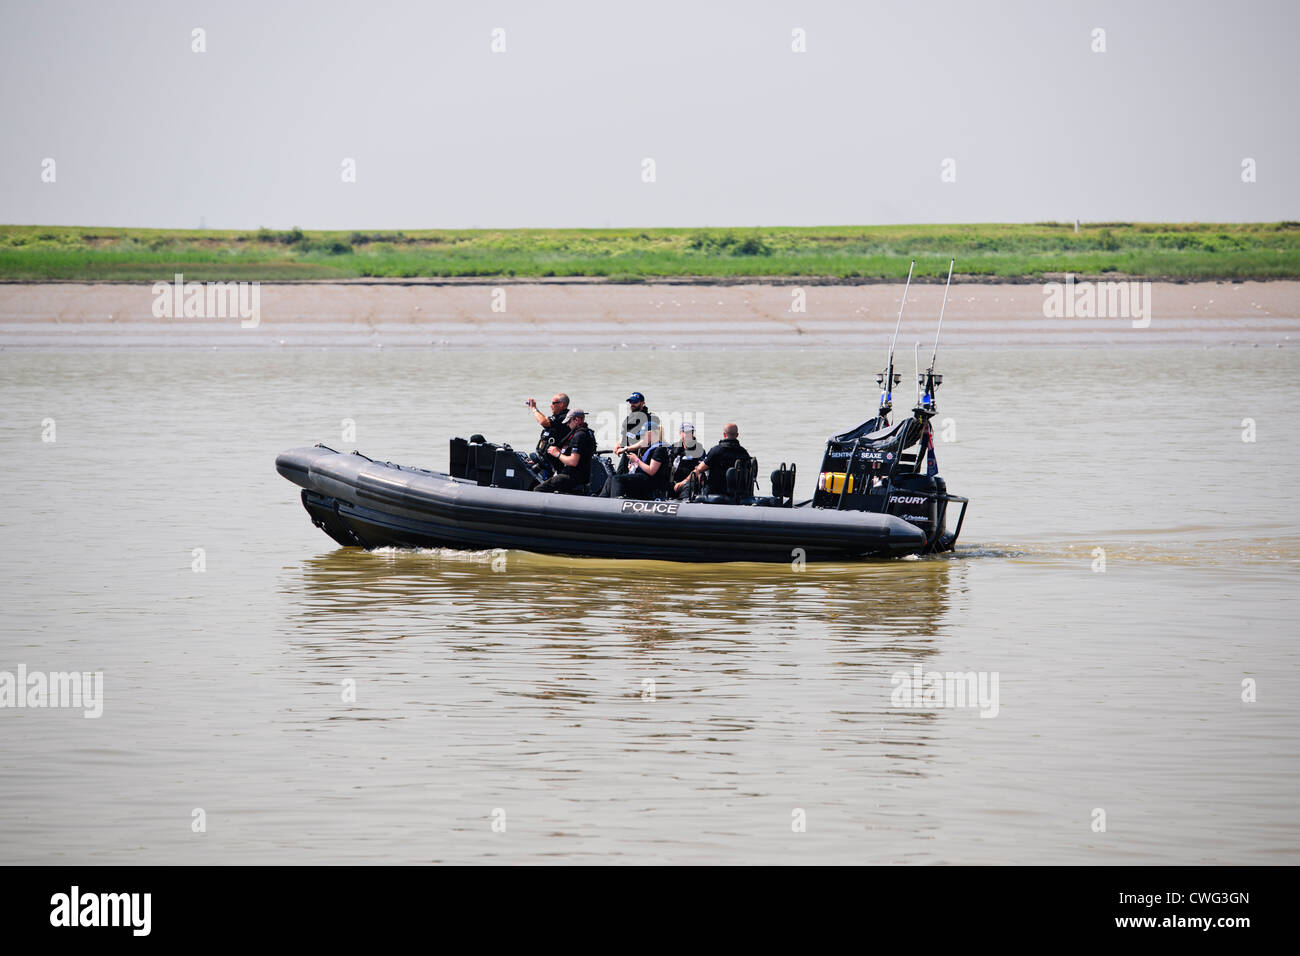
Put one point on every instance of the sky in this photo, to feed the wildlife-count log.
(907, 112)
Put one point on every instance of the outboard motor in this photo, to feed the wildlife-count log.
(914, 499)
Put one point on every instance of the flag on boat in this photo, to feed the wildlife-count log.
(931, 466)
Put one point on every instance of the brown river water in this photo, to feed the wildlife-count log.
(319, 704)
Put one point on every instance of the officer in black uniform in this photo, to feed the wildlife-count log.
(685, 456)
(640, 430)
(721, 457)
(572, 460)
(649, 478)
(554, 431)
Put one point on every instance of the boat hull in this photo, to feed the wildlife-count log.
(363, 503)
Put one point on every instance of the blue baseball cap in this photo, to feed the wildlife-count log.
(636, 397)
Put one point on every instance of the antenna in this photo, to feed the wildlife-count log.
(917, 357)
(932, 381)
(887, 379)
(901, 306)
(951, 263)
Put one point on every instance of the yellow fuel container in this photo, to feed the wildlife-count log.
(833, 481)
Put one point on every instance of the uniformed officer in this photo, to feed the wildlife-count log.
(686, 454)
(640, 430)
(572, 460)
(554, 427)
(720, 458)
(648, 477)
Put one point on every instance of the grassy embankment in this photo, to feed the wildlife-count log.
(1008, 251)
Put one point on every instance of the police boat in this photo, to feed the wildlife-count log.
(878, 495)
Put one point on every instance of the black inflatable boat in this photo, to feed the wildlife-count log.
(878, 495)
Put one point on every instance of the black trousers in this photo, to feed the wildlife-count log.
(636, 485)
(561, 484)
